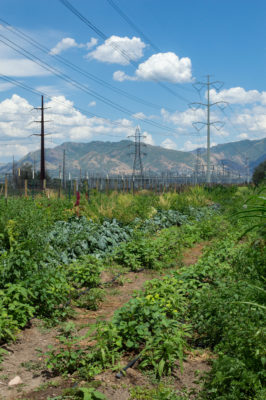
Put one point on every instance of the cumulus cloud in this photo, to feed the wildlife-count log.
(220, 132)
(121, 76)
(147, 138)
(67, 123)
(93, 42)
(68, 43)
(63, 45)
(169, 144)
(141, 115)
(20, 67)
(189, 146)
(184, 119)
(238, 95)
(119, 50)
(243, 136)
(5, 86)
(167, 67)
(19, 150)
(50, 90)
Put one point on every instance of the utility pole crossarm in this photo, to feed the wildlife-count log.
(42, 135)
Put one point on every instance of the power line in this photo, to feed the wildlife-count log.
(137, 29)
(76, 68)
(100, 33)
(115, 123)
(78, 85)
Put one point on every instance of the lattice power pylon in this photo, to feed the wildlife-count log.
(138, 153)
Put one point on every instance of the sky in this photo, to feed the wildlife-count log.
(120, 64)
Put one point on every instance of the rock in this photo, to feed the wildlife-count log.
(15, 381)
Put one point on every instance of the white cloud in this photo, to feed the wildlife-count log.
(5, 86)
(184, 119)
(93, 42)
(92, 104)
(220, 132)
(189, 146)
(167, 67)
(67, 123)
(21, 67)
(147, 138)
(68, 43)
(242, 136)
(141, 115)
(63, 45)
(169, 144)
(49, 90)
(19, 150)
(238, 95)
(121, 76)
(113, 50)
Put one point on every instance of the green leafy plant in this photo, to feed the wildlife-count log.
(255, 209)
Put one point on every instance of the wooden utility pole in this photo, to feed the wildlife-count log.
(64, 168)
(42, 163)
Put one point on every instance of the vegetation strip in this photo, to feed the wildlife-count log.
(216, 304)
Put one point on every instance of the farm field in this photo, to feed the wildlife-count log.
(174, 282)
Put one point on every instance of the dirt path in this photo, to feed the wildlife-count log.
(24, 359)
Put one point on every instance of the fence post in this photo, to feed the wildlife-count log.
(26, 187)
(107, 186)
(44, 184)
(75, 187)
(6, 187)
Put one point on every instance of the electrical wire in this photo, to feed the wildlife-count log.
(77, 84)
(76, 68)
(138, 30)
(102, 35)
(115, 123)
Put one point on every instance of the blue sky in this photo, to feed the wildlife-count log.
(192, 38)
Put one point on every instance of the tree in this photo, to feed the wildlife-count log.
(26, 171)
(259, 174)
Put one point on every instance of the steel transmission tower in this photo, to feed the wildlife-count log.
(217, 124)
(138, 153)
(197, 166)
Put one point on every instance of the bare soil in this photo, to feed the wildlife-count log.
(24, 358)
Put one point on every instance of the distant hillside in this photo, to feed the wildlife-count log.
(113, 157)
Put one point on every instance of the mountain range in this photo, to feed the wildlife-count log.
(114, 158)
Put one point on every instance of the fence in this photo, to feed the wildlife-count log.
(16, 186)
